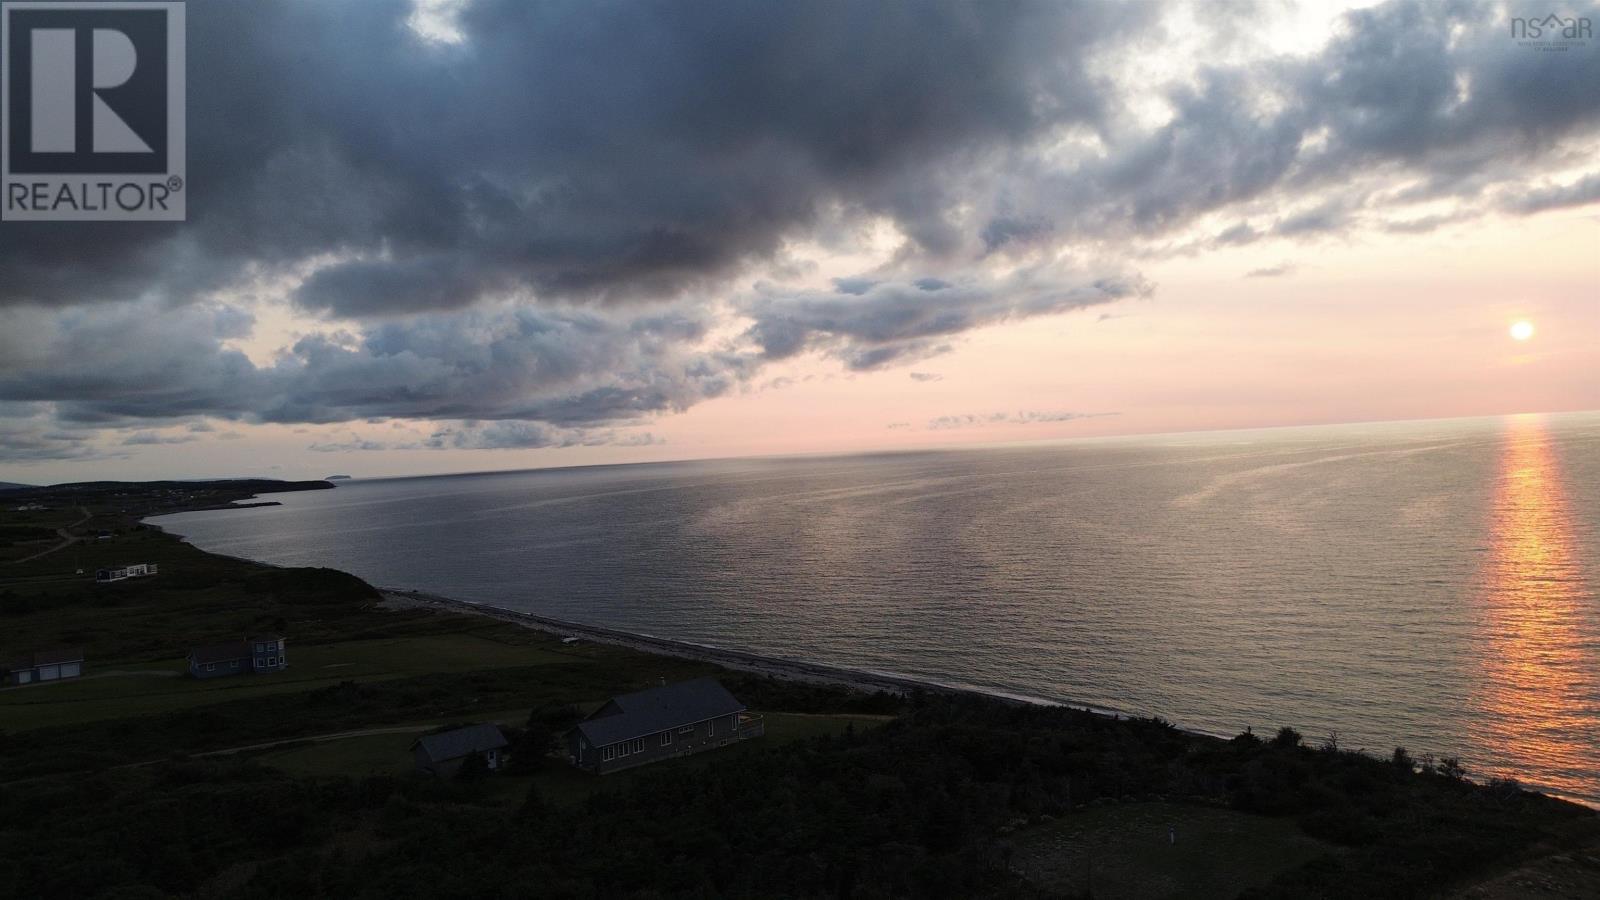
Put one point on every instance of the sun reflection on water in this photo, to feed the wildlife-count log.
(1538, 692)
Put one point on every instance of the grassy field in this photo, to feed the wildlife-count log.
(389, 754)
(1126, 850)
(142, 691)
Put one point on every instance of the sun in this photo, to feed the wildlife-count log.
(1522, 329)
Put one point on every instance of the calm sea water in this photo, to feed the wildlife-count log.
(1431, 584)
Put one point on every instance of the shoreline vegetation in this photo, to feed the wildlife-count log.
(138, 781)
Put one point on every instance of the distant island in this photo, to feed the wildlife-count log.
(337, 478)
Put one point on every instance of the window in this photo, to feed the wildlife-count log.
(638, 745)
(666, 738)
(261, 648)
(687, 729)
(608, 753)
(210, 666)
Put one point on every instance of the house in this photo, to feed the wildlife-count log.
(44, 665)
(660, 723)
(442, 754)
(257, 654)
(137, 570)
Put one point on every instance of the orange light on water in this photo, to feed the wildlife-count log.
(1539, 692)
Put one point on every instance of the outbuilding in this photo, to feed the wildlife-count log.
(442, 754)
(45, 665)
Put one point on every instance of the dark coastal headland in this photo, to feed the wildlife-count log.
(131, 777)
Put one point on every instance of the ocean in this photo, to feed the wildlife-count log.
(1431, 585)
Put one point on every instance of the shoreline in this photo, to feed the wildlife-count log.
(777, 667)
(740, 660)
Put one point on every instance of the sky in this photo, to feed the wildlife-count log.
(461, 235)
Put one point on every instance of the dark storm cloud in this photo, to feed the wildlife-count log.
(1406, 90)
(28, 433)
(130, 361)
(27, 442)
(575, 149)
(1332, 216)
(562, 367)
(870, 325)
(612, 166)
(506, 435)
(1583, 191)
(583, 150)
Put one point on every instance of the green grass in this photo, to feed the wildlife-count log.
(376, 754)
(1123, 850)
(115, 697)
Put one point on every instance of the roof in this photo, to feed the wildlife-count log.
(461, 742)
(659, 709)
(44, 658)
(215, 653)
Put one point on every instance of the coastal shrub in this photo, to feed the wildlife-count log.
(534, 806)
(530, 747)
(1286, 738)
(1402, 761)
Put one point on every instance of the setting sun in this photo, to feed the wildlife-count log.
(1522, 330)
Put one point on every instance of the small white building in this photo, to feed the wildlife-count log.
(136, 570)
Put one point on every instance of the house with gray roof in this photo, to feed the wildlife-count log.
(442, 754)
(43, 666)
(660, 723)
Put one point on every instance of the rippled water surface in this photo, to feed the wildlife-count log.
(1431, 585)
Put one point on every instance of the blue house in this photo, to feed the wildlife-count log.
(264, 653)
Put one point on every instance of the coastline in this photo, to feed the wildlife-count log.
(782, 668)
(740, 660)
